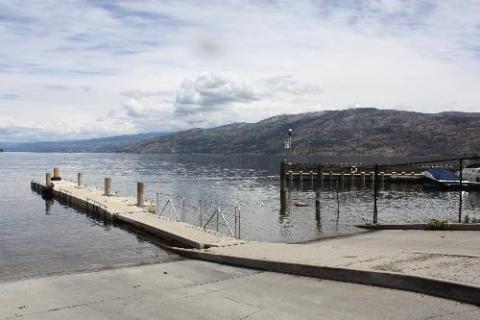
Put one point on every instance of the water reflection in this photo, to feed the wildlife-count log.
(48, 206)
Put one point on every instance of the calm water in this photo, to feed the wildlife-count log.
(39, 238)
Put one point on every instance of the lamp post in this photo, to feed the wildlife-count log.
(288, 146)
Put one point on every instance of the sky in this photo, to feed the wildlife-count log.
(72, 69)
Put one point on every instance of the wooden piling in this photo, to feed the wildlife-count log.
(140, 194)
(79, 179)
(56, 172)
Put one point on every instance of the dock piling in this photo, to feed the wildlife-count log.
(48, 179)
(283, 186)
(140, 194)
(108, 186)
(56, 172)
(79, 179)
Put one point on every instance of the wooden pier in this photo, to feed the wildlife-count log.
(411, 177)
(134, 211)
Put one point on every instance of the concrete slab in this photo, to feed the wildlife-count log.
(200, 290)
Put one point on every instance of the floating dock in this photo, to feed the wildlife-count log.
(126, 209)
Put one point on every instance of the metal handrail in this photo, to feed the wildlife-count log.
(168, 203)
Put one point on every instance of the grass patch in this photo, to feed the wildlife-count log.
(436, 225)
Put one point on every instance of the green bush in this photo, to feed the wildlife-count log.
(435, 224)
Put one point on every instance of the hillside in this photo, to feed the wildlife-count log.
(346, 132)
(106, 144)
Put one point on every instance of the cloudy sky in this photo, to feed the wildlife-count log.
(88, 68)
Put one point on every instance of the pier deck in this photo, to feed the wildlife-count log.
(125, 209)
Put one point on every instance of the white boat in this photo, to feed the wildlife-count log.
(446, 179)
(472, 172)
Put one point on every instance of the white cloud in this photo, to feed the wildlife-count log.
(156, 65)
(211, 92)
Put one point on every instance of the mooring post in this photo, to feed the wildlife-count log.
(375, 195)
(56, 172)
(108, 186)
(283, 186)
(382, 177)
(363, 179)
(460, 206)
(140, 190)
(48, 179)
(79, 179)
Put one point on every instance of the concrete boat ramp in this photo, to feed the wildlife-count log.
(125, 209)
(439, 263)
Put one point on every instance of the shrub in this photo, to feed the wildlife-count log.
(435, 225)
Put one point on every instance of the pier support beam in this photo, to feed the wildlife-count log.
(108, 186)
(140, 194)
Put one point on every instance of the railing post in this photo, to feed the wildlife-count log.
(235, 218)
(375, 195)
(218, 210)
(239, 224)
(201, 213)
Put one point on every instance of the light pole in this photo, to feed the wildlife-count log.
(288, 146)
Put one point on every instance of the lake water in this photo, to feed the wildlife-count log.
(38, 237)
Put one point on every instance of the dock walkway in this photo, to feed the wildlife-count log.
(125, 209)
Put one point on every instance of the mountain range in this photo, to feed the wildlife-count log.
(360, 131)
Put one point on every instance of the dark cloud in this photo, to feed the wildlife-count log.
(210, 93)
